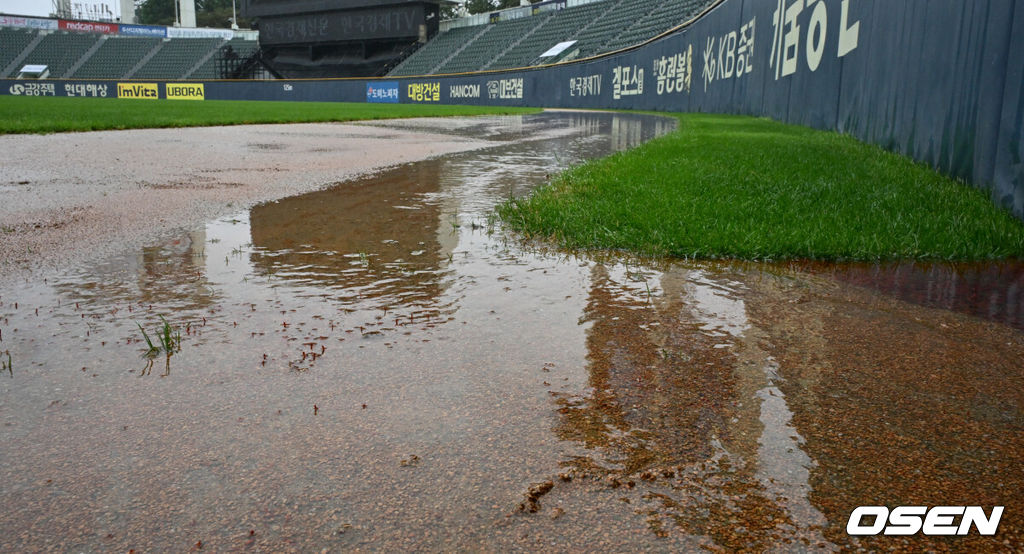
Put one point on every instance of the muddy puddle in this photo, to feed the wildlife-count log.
(379, 366)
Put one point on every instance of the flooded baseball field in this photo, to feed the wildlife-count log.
(379, 365)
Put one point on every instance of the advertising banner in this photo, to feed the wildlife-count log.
(28, 22)
(184, 91)
(182, 32)
(382, 92)
(32, 88)
(143, 31)
(424, 92)
(146, 91)
(88, 26)
(93, 90)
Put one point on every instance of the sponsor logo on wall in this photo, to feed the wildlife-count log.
(585, 86)
(627, 80)
(732, 57)
(425, 92)
(29, 22)
(143, 30)
(149, 91)
(33, 89)
(505, 89)
(189, 32)
(673, 74)
(464, 91)
(83, 89)
(87, 26)
(788, 38)
(185, 91)
(382, 92)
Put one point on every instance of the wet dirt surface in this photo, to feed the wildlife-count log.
(378, 366)
(79, 196)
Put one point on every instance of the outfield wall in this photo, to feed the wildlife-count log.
(941, 81)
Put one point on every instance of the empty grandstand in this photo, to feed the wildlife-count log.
(489, 45)
(115, 58)
(176, 58)
(13, 43)
(87, 55)
(595, 27)
(59, 51)
(554, 30)
(501, 40)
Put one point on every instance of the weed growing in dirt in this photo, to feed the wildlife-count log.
(169, 340)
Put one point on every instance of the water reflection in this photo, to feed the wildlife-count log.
(332, 337)
(992, 291)
(761, 407)
(684, 407)
(387, 242)
(374, 243)
(171, 274)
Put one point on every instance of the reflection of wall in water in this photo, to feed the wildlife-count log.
(588, 124)
(355, 235)
(990, 291)
(680, 381)
(164, 275)
(657, 379)
(167, 272)
(629, 132)
(625, 133)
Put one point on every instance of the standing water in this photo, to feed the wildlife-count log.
(380, 366)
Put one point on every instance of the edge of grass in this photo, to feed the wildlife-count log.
(737, 187)
(44, 115)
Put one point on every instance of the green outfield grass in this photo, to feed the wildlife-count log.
(20, 114)
(739, 187)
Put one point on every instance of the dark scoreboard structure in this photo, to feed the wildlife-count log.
(340, 38)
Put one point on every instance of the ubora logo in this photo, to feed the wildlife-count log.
(148, 91)
(185, 91)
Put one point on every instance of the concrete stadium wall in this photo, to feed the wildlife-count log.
(941, 81)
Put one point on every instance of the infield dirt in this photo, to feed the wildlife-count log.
(69, 197)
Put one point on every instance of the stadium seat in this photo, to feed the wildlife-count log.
(563, 26)
(177, 57)
(116, 57)
(60, 50)
(12, 43)
(432, 54)
(597, 27)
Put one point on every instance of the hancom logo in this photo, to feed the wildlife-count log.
(185, 91)
(147, 91)
(937, 521)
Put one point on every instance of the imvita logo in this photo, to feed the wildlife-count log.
(909, 520)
